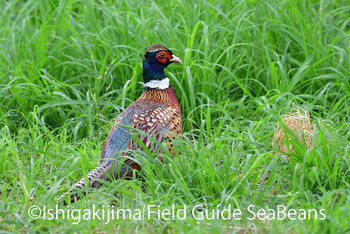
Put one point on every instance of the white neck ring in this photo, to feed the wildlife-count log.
(160, 84)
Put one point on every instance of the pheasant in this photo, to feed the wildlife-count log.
(156, 113)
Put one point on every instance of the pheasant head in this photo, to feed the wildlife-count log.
(156, 58)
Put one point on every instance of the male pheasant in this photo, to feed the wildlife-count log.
(156, 113)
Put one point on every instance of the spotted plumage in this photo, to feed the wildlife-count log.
(156, 113)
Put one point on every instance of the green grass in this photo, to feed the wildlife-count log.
(245, 63)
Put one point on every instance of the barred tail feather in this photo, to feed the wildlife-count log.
(99, 173)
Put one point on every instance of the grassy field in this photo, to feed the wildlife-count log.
(245, 64)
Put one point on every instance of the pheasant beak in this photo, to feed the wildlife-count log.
(175, 59)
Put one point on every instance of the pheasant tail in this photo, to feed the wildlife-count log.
(99, 173)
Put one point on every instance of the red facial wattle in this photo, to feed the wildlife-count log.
(163, 56)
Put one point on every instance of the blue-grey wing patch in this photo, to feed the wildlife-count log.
(119, 136)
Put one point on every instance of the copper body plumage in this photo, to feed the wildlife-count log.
(155, 113)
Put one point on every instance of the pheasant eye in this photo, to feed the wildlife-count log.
(162, 56)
